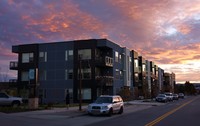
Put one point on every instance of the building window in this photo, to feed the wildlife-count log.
(120, 58)
(85, 73)
(43, 75)
(70, 74)
(136, 77)
(85, 93)
(69, 55)
(85, 54)
(130, 60)
(43, 56)
(136, 62)
(143, 67)
(121, 74)
(27, 57)
(66, 74)
(117, 74)
(116, 56)
(25, 76)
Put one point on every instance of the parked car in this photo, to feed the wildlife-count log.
(107, 105)
(181, 95)
(161, 98)
(7, 100)
(175, 96)
(169, 96)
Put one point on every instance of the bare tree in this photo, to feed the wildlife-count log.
(3, 77)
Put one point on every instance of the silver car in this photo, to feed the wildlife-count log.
(161, 98)
(107, 105)
(169, 96)
(7, 100)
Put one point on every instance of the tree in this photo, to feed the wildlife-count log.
(189, 88)
(126, 93)
(181, 89)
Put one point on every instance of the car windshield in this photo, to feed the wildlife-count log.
(104, 100)
(168, 94)
(161, 95)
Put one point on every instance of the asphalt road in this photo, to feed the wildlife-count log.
(184, 112)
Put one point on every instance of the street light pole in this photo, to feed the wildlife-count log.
(80, 84)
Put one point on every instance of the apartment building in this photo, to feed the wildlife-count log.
(93, 67)
(96, 66)
(160, 79)
(169, 82)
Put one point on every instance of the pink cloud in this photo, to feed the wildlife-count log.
(164, 31)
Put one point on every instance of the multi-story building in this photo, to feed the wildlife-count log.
(169, 82)
(142, 87)
(135, 73)
(156, 82)
(148, 77)
(160, 79)
(87, 67)
(96, 66)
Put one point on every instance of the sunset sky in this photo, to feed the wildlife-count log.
(164, 31)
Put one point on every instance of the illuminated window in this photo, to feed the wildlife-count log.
(121, 74)
(143, 67)
(116, 56)
(136, 62)
(120, 58)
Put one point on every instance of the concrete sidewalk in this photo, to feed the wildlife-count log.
(71, 112)
(74, 111)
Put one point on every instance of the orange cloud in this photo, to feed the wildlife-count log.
(179, 55)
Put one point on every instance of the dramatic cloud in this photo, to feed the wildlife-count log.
(164, 31)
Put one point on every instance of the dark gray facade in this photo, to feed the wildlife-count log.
(58, 67)
(96, 66)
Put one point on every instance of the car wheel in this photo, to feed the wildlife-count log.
(110, 112)
(15, 103)
(121, 110)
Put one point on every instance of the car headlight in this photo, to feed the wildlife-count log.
(104, 107)
(89, 107)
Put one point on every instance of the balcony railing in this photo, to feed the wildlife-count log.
(105, 61)
(105, 80)
(13, 65)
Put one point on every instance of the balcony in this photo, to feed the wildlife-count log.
(104, 61)
(14, 65)
(104, 80)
